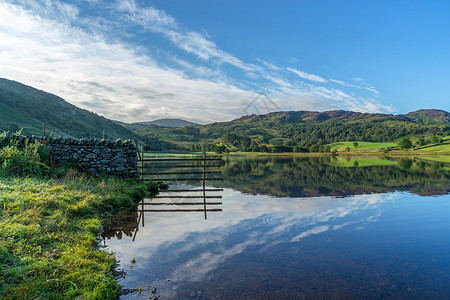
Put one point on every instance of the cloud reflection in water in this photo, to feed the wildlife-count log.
(186, 248)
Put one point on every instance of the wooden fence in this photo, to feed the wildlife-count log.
(180, 170)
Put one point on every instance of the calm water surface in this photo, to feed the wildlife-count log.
(295, 228)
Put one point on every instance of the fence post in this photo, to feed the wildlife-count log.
(204, 181)
(137, 146)
(142, 162)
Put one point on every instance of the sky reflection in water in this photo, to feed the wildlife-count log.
(390, 245)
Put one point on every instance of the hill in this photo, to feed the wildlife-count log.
(25, 107)
(22, 106)
(429, 116)
(159, 122)
(166, 123)
(306, 131)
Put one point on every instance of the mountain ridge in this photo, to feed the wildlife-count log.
(176, 122)
(305, 131)
(22, 106)
(420, 116)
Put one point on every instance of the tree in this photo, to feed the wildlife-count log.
(434, 139)
(221, 149)
(355, 144)
(405, 143)
(420, 142)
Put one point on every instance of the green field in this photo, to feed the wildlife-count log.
(438, 148)
(362, 146)
(169, 154)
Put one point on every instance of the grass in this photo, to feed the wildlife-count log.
(48, 231)
(11, 115)
(167, 154)
(362, 146)
(437, 148)
(173, 154)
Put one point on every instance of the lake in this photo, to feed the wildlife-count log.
(296, 228)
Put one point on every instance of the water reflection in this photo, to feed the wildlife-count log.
(187, 251)
(379, 245)
(335, 176)
(180, 199)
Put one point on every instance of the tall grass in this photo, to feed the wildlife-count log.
(31, 159)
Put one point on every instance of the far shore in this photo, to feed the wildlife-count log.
(343, 153)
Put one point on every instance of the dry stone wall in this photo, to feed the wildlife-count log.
(96, 156)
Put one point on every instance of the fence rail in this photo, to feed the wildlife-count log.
(147, 166)
(163, 169)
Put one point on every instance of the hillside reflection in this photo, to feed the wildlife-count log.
(334, 176)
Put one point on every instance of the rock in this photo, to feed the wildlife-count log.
(163, 186)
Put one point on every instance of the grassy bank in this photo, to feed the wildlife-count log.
(48, 230)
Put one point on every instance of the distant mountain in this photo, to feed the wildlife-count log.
(162, 123)
(22, 106)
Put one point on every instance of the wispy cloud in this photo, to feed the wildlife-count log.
(96, 61)
(307, 76)
(269, 65)
(66, 60)
(190, 41)
(342, 82)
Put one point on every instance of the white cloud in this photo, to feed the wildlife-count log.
(148, 16)
(269, 65)
(65, 60)
(307, 76)
(86, 60)
(361, 85)
(341, 82)
(189, 41)
(292, 60)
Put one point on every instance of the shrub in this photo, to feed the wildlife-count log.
(405, 143)
(23, 161)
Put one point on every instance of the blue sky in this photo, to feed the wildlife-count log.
(206, 60)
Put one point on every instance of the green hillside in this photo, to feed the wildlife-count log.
(305, 131)
(25, 107)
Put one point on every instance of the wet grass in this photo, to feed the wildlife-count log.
(48, 235)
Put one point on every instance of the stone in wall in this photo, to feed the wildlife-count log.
(96, 156)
